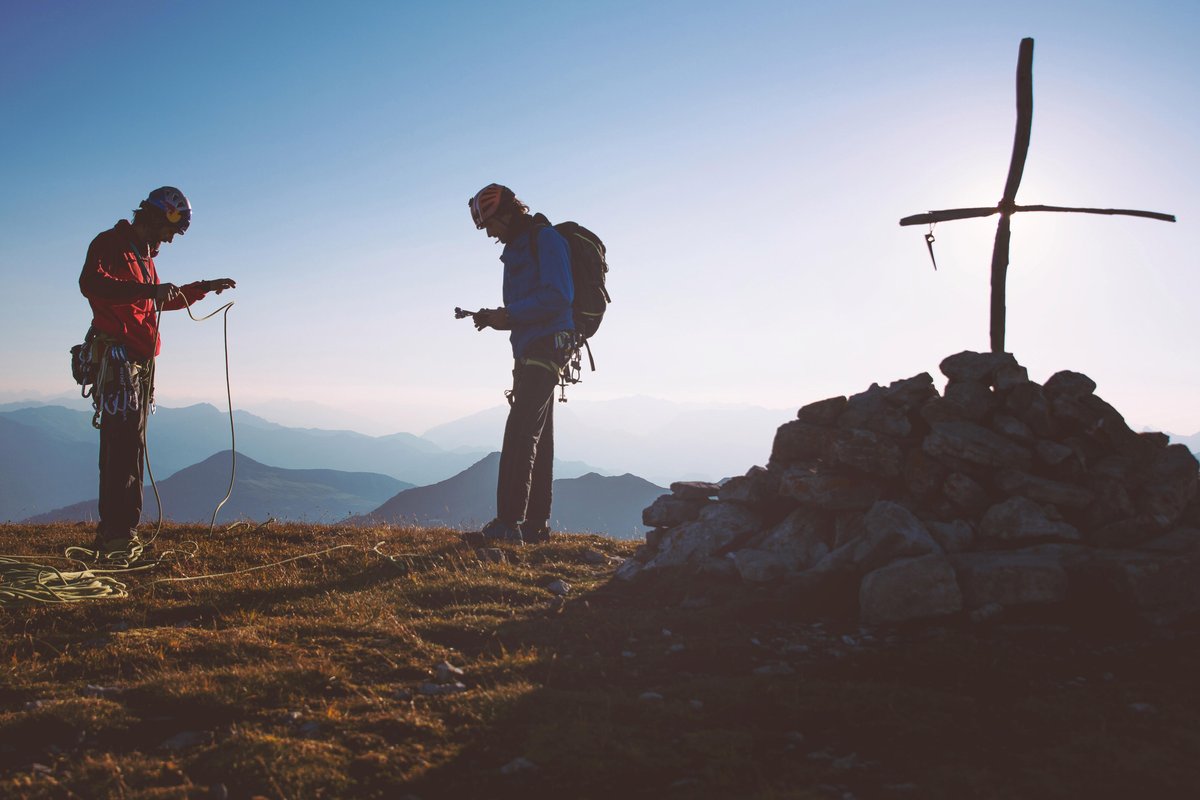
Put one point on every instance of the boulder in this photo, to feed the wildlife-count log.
(822, 412)
(718, 526)
(1154, 587)
(953, 537)
(912, 588)
(694, 490)
(1016, 482)
(872, 411)
(827, 490)
(969, 366)
(759, 566)
(758, 487)
(1066, 382)
(1028, 403)
(800, 540)
(890, 532)
(670, 510)
(1018, 521)
(909, 394)
(864, 451)
(1170, 485)
(1010, 578)
(972, 401)
(799, 441)
(974, 444)
(965, 493)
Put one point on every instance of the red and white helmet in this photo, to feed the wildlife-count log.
(174, 205)
(489, 201)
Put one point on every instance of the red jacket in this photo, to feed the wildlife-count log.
(121, 290)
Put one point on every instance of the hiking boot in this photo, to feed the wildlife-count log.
(495, 531)
(536, 534)
(118, 548)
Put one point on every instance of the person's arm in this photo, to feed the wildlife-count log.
(98, 281)
(191, 293)
(555, 291)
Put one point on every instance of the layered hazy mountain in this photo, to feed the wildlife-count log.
(591, 503)
(51, 452)
(259, 493)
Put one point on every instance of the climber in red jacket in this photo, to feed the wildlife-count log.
(121, 283)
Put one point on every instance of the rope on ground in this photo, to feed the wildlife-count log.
(23, 580)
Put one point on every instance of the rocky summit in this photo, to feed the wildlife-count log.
(998, 493)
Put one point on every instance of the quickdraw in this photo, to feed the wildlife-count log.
(121, 384)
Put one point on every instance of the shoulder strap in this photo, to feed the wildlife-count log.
(539, 222)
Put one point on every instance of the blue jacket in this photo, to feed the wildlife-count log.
(538, 296)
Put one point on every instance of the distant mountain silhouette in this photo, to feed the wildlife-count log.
(43, 467)
(259, 492)
(662, 440)
(66, 448)
(590, 503)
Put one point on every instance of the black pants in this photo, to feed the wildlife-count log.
(523, 491)
(122, 460)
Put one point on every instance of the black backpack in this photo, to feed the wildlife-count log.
(588, 272)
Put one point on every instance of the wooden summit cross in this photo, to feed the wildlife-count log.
(1007, 206)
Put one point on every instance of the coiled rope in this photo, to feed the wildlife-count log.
(22, 580)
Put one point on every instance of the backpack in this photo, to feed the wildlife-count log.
(588, 272)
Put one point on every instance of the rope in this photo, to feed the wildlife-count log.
(22, 580)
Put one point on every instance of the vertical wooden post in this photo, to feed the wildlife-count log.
(1016, 168)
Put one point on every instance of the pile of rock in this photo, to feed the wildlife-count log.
(998, 492)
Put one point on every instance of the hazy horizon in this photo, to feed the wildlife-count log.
(747, 166)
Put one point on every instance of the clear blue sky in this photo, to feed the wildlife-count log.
(746, 163)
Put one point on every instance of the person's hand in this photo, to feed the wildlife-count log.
(219, 285)
(491, 318)
(165, 292)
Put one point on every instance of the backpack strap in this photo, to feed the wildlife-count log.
(539, 221)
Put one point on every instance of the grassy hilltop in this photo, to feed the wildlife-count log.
(319, 678)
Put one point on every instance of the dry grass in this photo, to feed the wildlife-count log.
(304, 680)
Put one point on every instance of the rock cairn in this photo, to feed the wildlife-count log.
(998, 492)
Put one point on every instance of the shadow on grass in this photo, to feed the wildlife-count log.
(669, 690)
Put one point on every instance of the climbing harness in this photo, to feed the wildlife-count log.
(118, 385)
(568, 343)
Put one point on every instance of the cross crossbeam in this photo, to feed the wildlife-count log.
(1008, 205)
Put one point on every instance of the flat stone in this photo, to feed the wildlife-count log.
(822, 412)
(1014, 481)
(828, 491)
(694, 490)
(974, 444)
(756, 488)
(670, 510)
(718, 526)
(1020, 520)
(975, 367)
(865, 451)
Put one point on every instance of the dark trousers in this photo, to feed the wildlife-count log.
(523, 491)
(122, 459)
